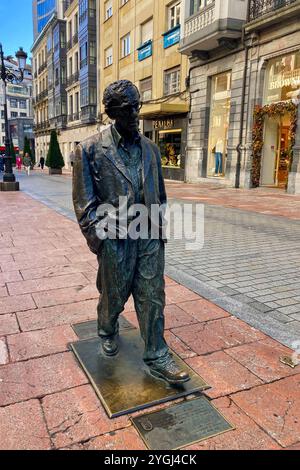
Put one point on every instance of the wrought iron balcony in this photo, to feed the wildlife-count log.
(263, 7)
(73, 79)
(75, 38)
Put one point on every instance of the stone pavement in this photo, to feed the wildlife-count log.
(47, 283)
(250, 262)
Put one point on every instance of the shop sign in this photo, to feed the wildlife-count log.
(172, 37)
(145, 50)
(163, 124)
(287, 79)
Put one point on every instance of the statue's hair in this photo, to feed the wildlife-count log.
(114, 89)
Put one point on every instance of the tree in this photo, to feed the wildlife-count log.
(54, 158)
(13, 154)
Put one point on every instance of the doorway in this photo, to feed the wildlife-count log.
(276, 151)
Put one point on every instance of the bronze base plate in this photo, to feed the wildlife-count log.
(9, 186)
(89, 329)
(181, 425)
(123, 382)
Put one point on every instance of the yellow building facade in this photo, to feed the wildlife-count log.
(40, 97)
(138, 40)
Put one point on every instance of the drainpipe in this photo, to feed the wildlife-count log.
(239, 146)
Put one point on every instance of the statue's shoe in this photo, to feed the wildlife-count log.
(110, 346)
(170, 371)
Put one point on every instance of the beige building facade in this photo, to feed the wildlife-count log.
(40, 96)
(77, 128)
(65, 78)
(138, 40)
(245, 92)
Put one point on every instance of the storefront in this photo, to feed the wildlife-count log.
(219, 123)
(276, 122)
(170, 134)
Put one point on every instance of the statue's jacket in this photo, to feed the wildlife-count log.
(100, 177)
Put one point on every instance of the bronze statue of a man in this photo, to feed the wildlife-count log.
(121, 162)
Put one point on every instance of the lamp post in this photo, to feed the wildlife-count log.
(9, 182)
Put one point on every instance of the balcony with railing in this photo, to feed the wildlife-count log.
(265, 13)
(75, 38)
(215, 23)
(74, 78)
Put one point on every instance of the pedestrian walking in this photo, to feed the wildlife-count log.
(1, 163)
(72, 158)
(27, 163)
(42, 163)
(19, 163)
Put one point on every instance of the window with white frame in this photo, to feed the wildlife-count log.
(108, 9)
(197, 5)
(125, 45)
(146, 89)
(108, 56)
(172, 81)
(174, 15)
(147, 31)
(123, 2)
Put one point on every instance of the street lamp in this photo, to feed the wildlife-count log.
(7, 75)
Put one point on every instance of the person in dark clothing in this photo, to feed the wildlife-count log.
(42, 162)
(122, 162)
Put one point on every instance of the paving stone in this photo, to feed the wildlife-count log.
(116, 440)
(58, 315)
(263, 359)
(39, 377)
(203, 310)
(77, 415)
(47, 284)
(275, 407)
(175, 294)
(178, 346)
(246, 435)
(40, 343)
(8, 325)
(260, 307)
(34, 263)
(16, 303)
(3, 292)
(9, 277)
(23, 427)
(290, 309)
(285, 302)
(4, 359)
(65, 296)
(280, 316)
(216, 335)
(223, 374)
(53, 271)
(176, 317)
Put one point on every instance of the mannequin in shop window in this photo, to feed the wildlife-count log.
(219, 149)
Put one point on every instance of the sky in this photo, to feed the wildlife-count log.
(16, 26)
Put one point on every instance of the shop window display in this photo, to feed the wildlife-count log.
(282, 78)
(219, 121)
(170, 148)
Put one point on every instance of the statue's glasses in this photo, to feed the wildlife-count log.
(128, 109)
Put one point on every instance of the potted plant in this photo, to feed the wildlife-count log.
(55, 161)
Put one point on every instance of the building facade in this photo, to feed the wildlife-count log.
(19, 109)
(65, 78)
(245, 86)
(81, 87)
(42, 12)
(138, 41)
